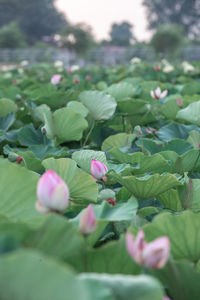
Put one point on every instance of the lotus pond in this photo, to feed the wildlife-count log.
(100, 182)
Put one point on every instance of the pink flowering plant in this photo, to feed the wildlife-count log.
(99, 174)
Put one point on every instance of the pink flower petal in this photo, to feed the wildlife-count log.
(156, 253)
(164, 94)
(88, 221)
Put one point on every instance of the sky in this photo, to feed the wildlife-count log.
(100, 14)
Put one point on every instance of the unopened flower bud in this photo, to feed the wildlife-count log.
(19, 159)
(43, 130)
(12, 156)
(88, 77)
(76, 80)
(179, 102)
(98, 170)
(88, 221)
(111, 201)
(52, 192)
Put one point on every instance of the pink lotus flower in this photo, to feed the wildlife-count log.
(88, 221)
(111, 201)
(52, 193)
(76, 80)
(56, 79)
(98, 170)
(157, 94)
(88, 77)
(151, 255)
(179, 102)
(69, 70)
(157, 68)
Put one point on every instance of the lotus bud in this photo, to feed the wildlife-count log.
(88, 221)
(157, 94)
(138, 130)
(12, 156)
(98, 170)
(41, 209)
(76, 80)
(69, 70)
(111, 201)
(43, 130)
(157, 68)
(179, 102)
(56, 79)
(152, 255)
(52, 192)
(88, 77)
(19, 159)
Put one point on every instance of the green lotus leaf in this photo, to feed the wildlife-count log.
(148, 186)
(68, 125)
(82, 186)
(100, 105)
(118, 140)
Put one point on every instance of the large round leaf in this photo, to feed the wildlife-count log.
(133, 107)
(47, 94)
(121, 90)
(53, 238)
(68, 125)
(181, 278)
(126, 287)
(100, 105)
(78, 107)
(30, 275)
(141, 162)
(190, 114)
(174, 130)
(118, 140)
(148, 186)
(7, 106)
(18, 193)
(102, 260)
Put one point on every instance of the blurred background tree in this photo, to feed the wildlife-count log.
(78, 38)
(121, 34)
(36, 18)
(182, 12)
(11, 36)
(168, 40)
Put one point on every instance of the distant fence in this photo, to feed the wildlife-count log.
(37, 55)
(109, 55)
(191, 53)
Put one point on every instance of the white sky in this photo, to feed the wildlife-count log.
(100, 14)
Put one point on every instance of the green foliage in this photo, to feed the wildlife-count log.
(35, 18)
(168, 39)
(78, 38)
(121, 34)
(182, 12)
(11, 36)
(151, 148)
